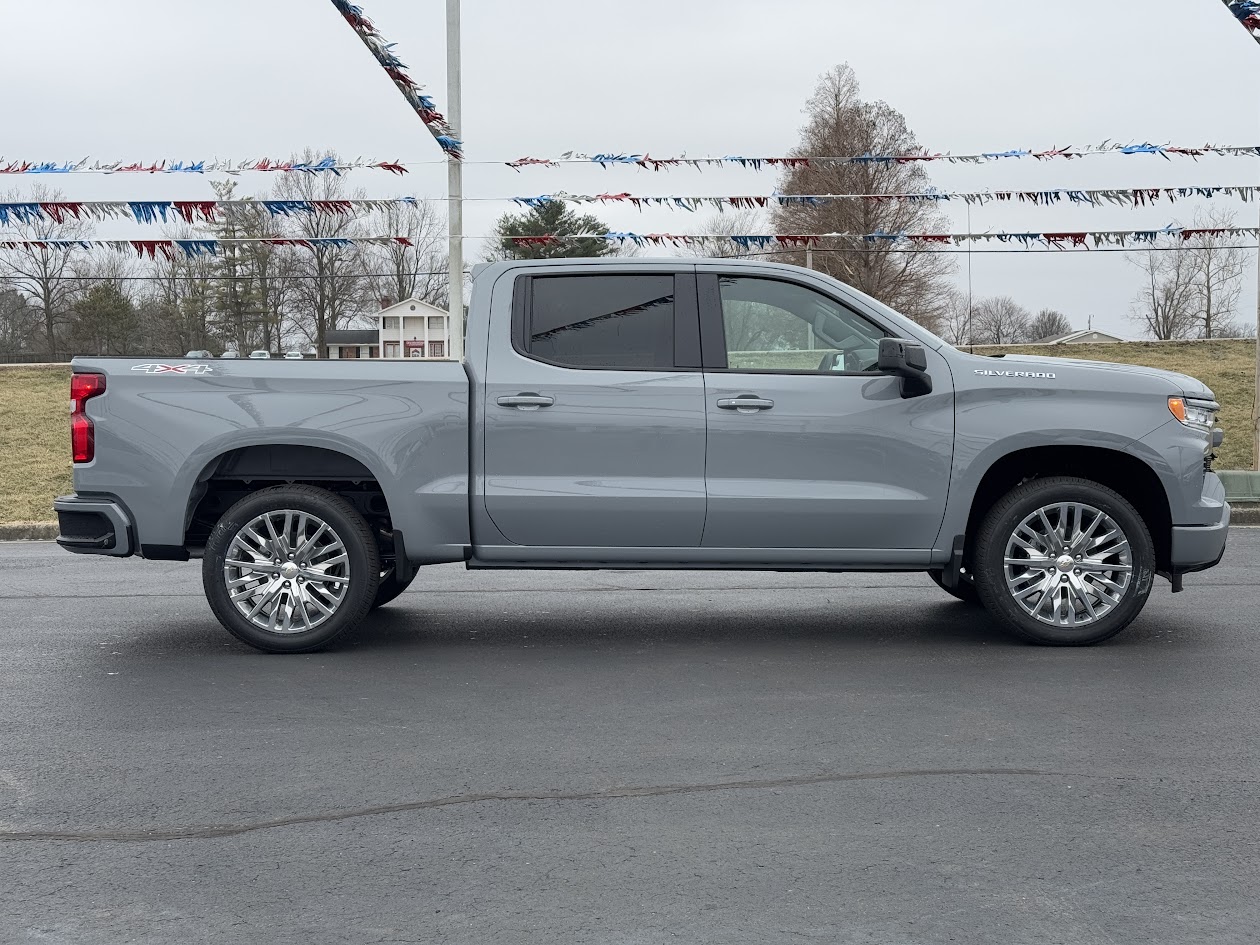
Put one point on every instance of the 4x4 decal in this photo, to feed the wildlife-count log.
(174, 369)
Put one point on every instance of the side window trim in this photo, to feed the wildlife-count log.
(713, 327)
(687, 336)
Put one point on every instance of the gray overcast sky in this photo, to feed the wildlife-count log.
(149, 79)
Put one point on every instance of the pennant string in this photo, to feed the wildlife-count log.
(332, 165)
(1248, 14)
(396, 69)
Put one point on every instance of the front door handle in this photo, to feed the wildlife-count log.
(748, 403)
(526, 401)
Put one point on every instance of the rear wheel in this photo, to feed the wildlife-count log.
(964, 590)
(290, 569)
(1064, 561)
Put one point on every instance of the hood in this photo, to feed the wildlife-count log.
(1183, 383)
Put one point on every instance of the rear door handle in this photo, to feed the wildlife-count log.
(526, 401)
(745, 404)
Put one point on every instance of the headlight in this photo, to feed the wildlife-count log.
(1200, 414)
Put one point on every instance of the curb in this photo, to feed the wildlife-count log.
(1245, 515)
(29, 531)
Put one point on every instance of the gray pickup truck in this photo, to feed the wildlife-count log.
(653, 414)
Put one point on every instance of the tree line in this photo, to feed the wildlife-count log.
(56, 303)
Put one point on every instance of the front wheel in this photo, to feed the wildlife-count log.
(290, 569)
(1064, 561)
(389, 588)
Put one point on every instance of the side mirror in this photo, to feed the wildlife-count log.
(908, 361)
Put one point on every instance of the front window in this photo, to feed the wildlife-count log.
(781, 326)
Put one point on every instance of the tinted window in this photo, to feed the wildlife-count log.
(781, 326)
(617, 322)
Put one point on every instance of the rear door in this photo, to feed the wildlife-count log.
(595, 417)
(809, 446)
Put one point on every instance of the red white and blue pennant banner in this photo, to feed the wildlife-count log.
(1129, 197)
(446, 137)
(331, 165)
(757, 242)
(648, 162)
(212, 211)
(749, 242)
(327, 165)
(1248, 14)
(199, 247)
(190, 211)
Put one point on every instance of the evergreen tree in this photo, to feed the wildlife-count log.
(105, 322)
(552, 218)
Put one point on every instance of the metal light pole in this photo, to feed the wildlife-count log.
(1255, 408)
(455, 179)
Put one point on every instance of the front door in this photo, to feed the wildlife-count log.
(595, 419)
(809, 446)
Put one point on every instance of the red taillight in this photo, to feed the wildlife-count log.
(83, 387)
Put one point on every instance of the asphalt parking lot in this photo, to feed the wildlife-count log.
(555, 757)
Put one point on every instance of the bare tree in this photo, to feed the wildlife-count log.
(1048, 324)
(177, 306)
(999, 321)
(839, 122)
(1219, 266)
(330, 285)
(418, 271)
(44, 274)
(1165, 305)
(19, 322)
(956, 325)
(716, 232)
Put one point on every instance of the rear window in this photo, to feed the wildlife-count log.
(615, 322)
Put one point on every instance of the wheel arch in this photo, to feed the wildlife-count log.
(1128, 475)
(243, 469)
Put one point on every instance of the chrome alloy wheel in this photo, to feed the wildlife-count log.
(1068, 564)
(287, 571)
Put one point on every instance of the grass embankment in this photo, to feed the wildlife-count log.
(34, 441)
(35, 426)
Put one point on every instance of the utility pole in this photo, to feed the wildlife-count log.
(455, 179)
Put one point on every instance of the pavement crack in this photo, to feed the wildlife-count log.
(210, 832)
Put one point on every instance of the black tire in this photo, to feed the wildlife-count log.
(989, 568)
(965, 591)
(389, 588)
(362, 569)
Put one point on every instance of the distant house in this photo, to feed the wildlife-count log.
(351, 343)
(1087, 337)
(414, 329)
(408, 329)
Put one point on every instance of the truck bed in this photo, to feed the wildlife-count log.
(164, 425)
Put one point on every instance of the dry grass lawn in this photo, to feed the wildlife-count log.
(35, 423)
(34, 441)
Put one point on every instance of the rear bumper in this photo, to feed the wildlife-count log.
(1199, 547)
(94, 526)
